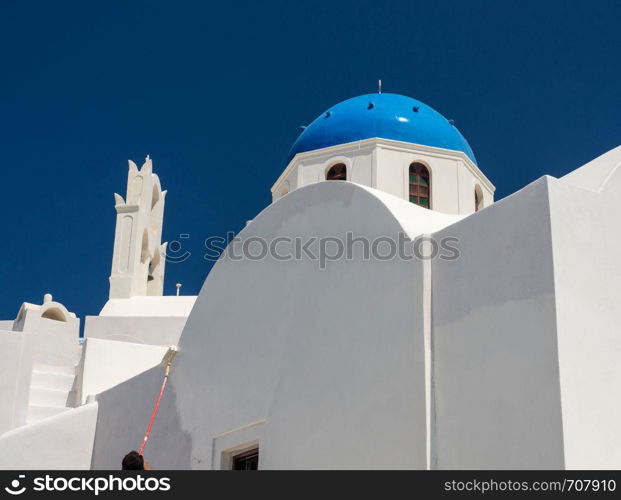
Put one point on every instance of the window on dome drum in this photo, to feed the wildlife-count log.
(478, 198)
(420, 187)
(337, 172)
(248, 460)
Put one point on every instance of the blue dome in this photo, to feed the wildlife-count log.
(389, 116)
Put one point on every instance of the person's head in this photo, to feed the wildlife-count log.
(133, 461)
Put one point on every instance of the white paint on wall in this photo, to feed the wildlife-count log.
(595, 173)
(172, 306)
(152, 330)
(17, 350)
(586, 244)
(495, 360)
(108, 363)
(62, 442)
(57, 331)
(124, 413)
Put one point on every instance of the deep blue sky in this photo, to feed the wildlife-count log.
(215, 92)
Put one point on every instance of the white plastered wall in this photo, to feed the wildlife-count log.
(497, 402)
(124, 413)
(56, 340)
(141, 320)
(17, 350)
(145, 306)
(586, 210)
(108, 363)
(61, 442)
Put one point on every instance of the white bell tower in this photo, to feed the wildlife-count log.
(139, 256)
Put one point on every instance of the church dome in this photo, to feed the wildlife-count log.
(388, 116)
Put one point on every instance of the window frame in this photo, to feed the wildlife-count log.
(416, 186)
(234, 441)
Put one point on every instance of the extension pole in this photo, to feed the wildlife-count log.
(168, 359)
(155, 409)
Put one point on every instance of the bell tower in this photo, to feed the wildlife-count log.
(139, 255)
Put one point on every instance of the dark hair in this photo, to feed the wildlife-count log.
(133, 461)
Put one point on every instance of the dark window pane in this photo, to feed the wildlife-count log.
(248, 460)
(419, 185)
(337, 172)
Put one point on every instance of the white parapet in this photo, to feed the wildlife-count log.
(61, 442)
(108, 363)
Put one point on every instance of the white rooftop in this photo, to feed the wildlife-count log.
(176, 306)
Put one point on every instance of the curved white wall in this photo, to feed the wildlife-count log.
(331, 359)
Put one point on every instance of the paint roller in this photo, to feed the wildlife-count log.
(169, 357)
(167, 362)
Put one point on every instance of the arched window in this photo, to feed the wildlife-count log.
(155, 197)
(153, 265)
(144, 252)
(337, 172)
(420, 187)
(478, 198)
(55, 314)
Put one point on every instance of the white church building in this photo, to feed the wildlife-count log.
(497, 347)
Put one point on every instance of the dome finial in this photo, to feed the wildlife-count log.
(379, 86)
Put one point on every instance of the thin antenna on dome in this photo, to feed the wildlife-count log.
(379, 86)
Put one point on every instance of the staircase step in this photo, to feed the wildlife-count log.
(53, 381)
(36, 413)
(61, 370)
(48, 397)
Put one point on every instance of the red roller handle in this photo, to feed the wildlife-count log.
(155, 409)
